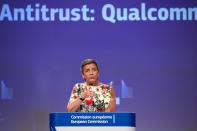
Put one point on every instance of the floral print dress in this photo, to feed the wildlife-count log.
(98, 103)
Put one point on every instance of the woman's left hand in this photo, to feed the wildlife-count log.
(112, 92)
(112, 103)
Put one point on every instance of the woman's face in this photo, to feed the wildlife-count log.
(90, 73)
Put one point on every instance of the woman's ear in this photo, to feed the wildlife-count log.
(83, 76)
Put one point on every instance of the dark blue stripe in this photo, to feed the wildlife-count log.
(118, 119)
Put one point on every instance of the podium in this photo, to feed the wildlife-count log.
(92, 122)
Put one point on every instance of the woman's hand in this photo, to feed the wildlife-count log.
(87, 93)
(112, 92)
(72, 107)
(112, 103)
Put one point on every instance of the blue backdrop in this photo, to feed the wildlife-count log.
(151, 62)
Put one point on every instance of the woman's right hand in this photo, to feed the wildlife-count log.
(87, 93)
(73, 106)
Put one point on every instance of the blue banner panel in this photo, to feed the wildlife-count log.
(92, 119)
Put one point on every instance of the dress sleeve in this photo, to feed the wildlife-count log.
(74, 95)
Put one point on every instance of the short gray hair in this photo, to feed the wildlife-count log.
(88, 61)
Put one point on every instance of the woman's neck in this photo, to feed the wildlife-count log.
(93, 84)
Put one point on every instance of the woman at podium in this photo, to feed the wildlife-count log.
(92, 95)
